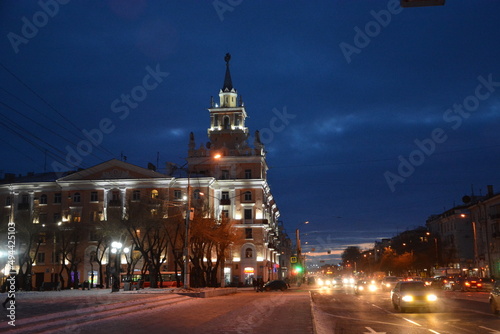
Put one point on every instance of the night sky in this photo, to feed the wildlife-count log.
(374, 117)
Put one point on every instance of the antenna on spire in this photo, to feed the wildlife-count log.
(227, 58)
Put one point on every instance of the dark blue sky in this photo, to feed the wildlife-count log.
(373, 113)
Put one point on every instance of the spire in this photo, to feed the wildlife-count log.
(228, 84)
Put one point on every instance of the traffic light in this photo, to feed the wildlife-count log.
(297, 270)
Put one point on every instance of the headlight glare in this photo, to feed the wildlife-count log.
(407, 298)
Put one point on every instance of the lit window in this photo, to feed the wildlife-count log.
(154, 193)
(248, 253)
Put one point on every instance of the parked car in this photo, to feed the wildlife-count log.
(389, 282)
(413, 294)
(495, 298)
(275, 285)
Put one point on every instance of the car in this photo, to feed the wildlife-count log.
(488, 284)
(495, 298)
(472, 284)
(275, 285)
(413, 294)
(365, 286)
(389, 282)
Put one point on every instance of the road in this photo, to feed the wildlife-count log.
(340, 311)
(244, 312)
(301, 310)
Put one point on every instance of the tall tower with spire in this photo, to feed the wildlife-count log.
(227, 118)
(228, 135)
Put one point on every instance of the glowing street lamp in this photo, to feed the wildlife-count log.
(115, 249)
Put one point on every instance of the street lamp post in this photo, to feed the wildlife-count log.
(116, 249)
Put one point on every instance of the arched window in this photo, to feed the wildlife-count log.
(248, 253)
(226, 122)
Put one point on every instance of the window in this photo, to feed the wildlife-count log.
(154, 193)
(248, 196)
(57, 217)
(237, 121)
(248, 233)
(94, 197)
(177, 194)
(136, 195)
(248, 173)
(96, 216)
(248, 253)
(248, 214)
(42, 218)
(216, 120)
(196, 194)
(76, 217)
(57, 198)
(40, 259)
(55, 257)
(76, 197)
(225, 195)
(25, 199)
(8, 201)
(43, 199)
(225, 174)
(225, 214)
(42, 238)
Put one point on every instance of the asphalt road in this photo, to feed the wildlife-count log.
(340, 311)
(301, 310)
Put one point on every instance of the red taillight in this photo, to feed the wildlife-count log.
(479, 284)
(467, 283)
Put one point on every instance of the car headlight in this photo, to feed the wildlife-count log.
(351, 280)
(334, 282)
(407, 298)
(432, 298)
(361, 288)
(327, 282)
(372, 287)
(320, 282)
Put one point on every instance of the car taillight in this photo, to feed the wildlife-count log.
(467, 283)
(479, 284)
